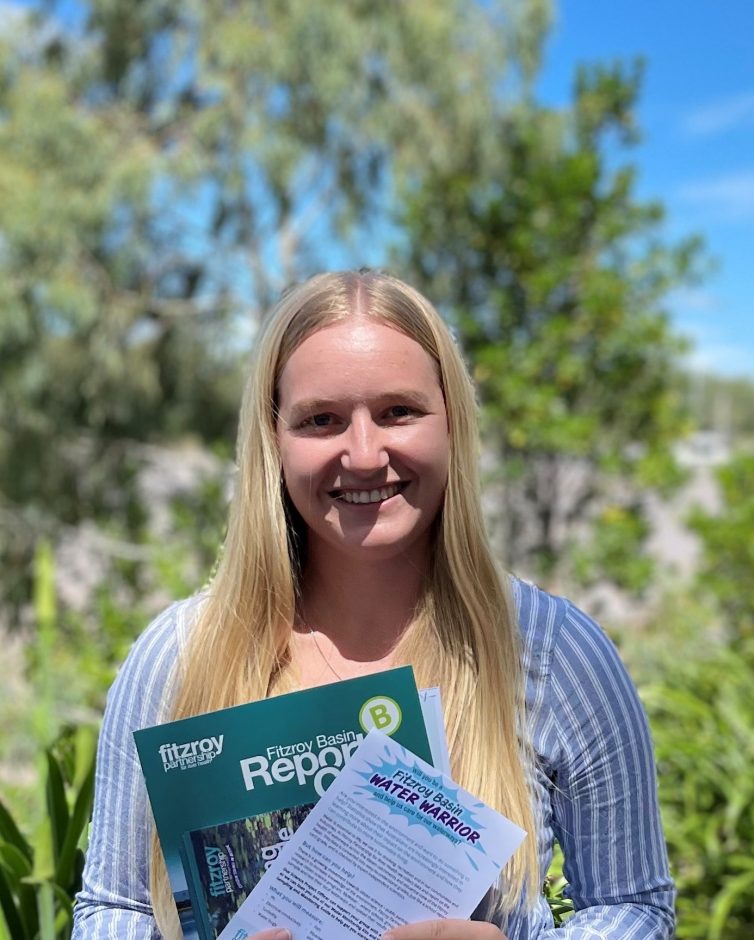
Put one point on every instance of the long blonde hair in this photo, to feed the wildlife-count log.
(464, 636)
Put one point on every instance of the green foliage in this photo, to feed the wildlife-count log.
(41, 873)
(702, 712)
(727, 567)
(613, 550)
(198, 527)
(73, 658)
(60, 681)
(554, 890)
(702, 715)
(697, 691)
(167, 168)
(554, 274)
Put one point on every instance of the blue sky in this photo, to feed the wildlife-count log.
(697, 153)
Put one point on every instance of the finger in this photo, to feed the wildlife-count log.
(274, 933)
(445, 930)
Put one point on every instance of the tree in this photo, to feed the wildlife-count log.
(167, 167)
(553, 273)
(71, 378)
(726, 571)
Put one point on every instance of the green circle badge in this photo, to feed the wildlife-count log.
(382, 713)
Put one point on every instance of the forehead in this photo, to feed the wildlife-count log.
(357, 354)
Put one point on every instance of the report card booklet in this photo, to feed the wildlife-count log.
(257, 769)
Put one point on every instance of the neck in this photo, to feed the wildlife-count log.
(362, 607)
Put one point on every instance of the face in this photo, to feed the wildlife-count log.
(363, 437)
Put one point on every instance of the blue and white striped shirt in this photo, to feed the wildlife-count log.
(595, 783)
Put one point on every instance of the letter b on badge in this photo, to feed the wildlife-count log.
(382, 713)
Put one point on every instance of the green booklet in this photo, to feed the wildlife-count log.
(224, 862)
(230, 766)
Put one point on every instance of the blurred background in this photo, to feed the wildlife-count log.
(571, 183)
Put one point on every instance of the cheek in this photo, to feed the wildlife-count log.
(432, 454)
(303, 465)
(289, 465)
(295, 467)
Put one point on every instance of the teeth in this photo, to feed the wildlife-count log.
(369, 496)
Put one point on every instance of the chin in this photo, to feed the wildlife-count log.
(376, 548)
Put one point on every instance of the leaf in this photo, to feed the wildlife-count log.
(11, 917)
(28, 908)
(15, 863)
(65, 868)
(57, 804)
(43, 868)
(64, 909)
(735, 890)
(741, 862)
(46, 908)
(85, 750)
(10, 832)
(4, 929)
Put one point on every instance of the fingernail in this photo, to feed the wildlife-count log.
(282, 934)
(387, 936)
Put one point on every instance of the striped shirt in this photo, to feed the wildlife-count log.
(595, 785)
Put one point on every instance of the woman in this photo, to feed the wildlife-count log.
(356, 543)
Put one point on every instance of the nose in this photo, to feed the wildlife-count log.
(364, 450)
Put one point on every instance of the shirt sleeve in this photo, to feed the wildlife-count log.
(604, 798)
(114, 902)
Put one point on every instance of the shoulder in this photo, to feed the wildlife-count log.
(146, 673)
(570, 665)
(572, 670)
(540, 618)
(553, 629)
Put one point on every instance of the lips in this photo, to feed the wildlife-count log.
(368, 496)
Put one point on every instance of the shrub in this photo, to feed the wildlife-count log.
(702, 717)
(727, 568)
(41, 873)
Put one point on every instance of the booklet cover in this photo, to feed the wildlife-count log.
(263, 756)
(224, 862)
(391, 842)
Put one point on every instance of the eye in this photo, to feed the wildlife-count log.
(400, 411)
(322, 420)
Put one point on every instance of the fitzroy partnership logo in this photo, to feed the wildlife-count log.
(191, 754)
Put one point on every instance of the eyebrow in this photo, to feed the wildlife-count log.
(309, 406)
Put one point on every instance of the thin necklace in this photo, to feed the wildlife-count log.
(305, 622)
(324, 658)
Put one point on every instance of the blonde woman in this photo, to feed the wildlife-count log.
(356, 543)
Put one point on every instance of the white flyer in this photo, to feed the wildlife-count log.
(392, 841)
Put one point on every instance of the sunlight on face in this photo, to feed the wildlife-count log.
(363, 437)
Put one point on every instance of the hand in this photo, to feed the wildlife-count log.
(445, 930)
(274, 933)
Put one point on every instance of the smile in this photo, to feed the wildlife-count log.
(377, 495)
